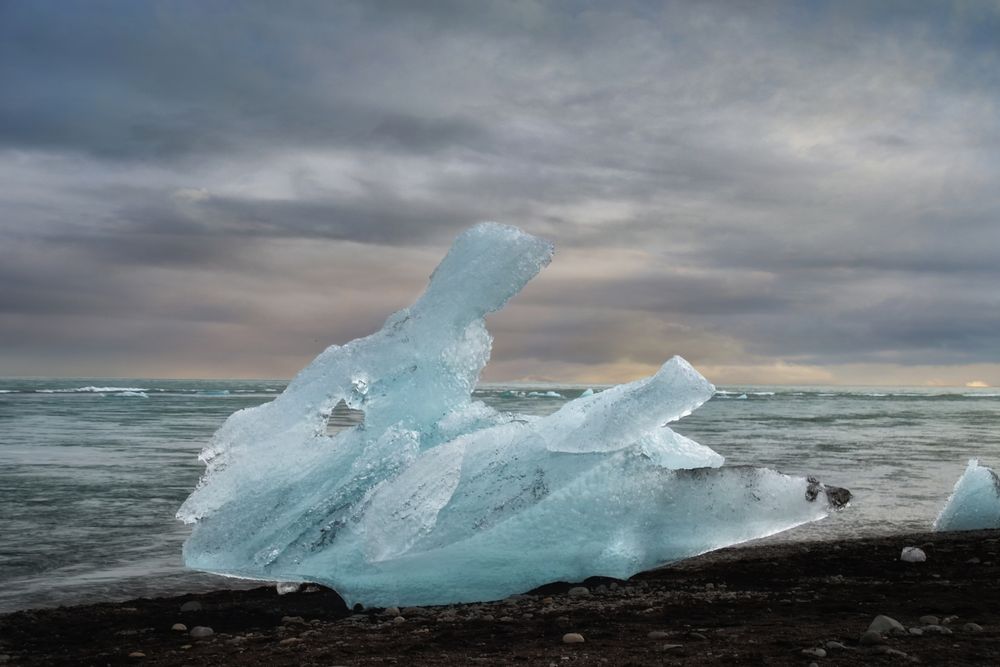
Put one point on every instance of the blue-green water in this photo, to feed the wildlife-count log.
(92, 471)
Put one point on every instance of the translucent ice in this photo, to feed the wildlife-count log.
(437, 498)
(975, 502)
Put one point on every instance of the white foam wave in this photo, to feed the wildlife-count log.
(89, 390)
(742, 395)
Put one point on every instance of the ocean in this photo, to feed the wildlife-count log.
(92, 471)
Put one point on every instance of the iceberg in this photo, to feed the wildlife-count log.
(437, 498)
(975, 502)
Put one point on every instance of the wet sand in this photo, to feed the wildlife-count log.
(773, 604)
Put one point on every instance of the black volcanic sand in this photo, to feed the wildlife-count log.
(755, 605)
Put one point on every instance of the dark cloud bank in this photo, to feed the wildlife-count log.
(780, 192)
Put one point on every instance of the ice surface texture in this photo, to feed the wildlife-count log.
(975, 502)
(437, 498)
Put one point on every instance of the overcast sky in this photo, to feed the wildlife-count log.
(779, 192)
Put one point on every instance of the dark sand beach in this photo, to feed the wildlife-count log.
(772, 604)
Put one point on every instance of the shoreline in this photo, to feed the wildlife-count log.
(783, 604)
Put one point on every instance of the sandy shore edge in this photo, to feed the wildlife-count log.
(786, 603)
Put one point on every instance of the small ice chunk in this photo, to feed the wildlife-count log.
(974, 504)
(587, 392)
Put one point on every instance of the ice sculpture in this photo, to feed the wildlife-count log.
(437, 498)
(975, 502)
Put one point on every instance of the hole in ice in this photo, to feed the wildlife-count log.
(343, 417)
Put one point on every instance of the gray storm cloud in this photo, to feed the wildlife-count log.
(784, 192)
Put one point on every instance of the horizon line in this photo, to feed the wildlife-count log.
(526, 383)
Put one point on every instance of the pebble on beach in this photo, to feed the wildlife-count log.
(885, 625)
(191, 605)
(913, 555)
(573, 638)
(579, 592)
(201, 631)
(286, 587)
(179, 627)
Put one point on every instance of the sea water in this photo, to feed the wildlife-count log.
(93, 470)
